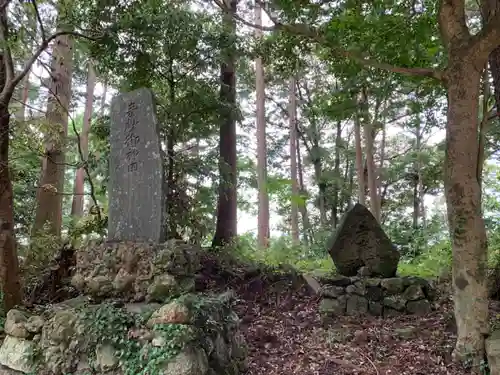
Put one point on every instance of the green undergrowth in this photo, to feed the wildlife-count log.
(432, 262)
(282, 252)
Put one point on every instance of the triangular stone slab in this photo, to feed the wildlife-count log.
(360, 241)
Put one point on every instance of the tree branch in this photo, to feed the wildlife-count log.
(314, 34)
(39, 19)
(11, 84)
(7, 54)
(451, 18)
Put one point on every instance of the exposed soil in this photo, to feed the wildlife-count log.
(285, 335)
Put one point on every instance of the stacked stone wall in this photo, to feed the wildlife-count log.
(384, 297)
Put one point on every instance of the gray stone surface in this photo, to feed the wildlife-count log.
(137, 188)
(356, 305)
(360, 241)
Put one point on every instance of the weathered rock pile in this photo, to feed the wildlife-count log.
(177, 334)
(136, 271)
(385, 297)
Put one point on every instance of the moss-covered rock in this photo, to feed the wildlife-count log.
(191, 335)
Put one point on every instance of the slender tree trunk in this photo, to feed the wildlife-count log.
(416, 179)
(336, 183)
(103, 98)
(226, 227)
(9, 266)
(293, 161)
(381, 169)
(49, 194)
(359, 160)
(463, 197)
(306, 225)
(263, 214)
(318, 173)
(370, 163)
(78, 198)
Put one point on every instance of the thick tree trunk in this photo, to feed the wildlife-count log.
(463, 196)
(79, 190)
(226, 227)
(49, 194)
(263, 214)
(293, 161)
(9, 265)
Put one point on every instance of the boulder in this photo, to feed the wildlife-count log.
(17, 354)
(360, 241)
(333, 307)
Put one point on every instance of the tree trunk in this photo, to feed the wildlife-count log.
(306, 225)
(9, 266)
(495, 72)
(263, 214)
(226, 227)
(293, 161)
(359, 160)
(77, 206)
(416, 175)
(336, 169)
(318, 174)
(381, 170)
(372, 169)
(49, 194)
(103, 98)
(463, 197)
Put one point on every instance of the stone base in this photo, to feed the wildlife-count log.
(191, 335)
(136, 271)
(375, 296)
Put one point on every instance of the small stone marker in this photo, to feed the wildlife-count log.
(360, 241)
(137, 194)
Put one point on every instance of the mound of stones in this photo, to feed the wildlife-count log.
(136, 271)
(358, 295)
(169, 332)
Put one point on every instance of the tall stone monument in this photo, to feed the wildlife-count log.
(137, 187)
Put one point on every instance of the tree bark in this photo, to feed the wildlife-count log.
(416, 179)
(49, 194)
(263, 214)
(306, 224)
(463, 197)
(336, 183)
(9, 265)
(293, 161)
(226, 227)
(79, 190)
(359, 160)
(370, 162)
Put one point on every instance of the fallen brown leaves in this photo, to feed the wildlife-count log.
(285, 336)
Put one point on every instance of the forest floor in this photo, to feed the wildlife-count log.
(285, 335)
